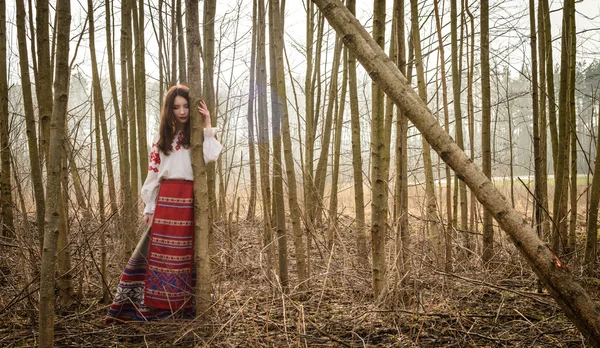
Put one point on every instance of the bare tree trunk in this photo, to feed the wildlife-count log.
(572, 245)
(280, 107)
(263, 137)
(448, 227)
(357, 164)
(277, 110)
(486, 156)
(559, 237)
(99, 105)
(471, 117)
(536, 121)
(572, 298)
(337, 145)
(456, 89)
(134, 168)
(378, 182)
(34, 158)
(550, 81)
(44, 82)
(140, 86)
(174, 20)
(251, 138)
(543, 121)
(432, 217)
(201, 209)
(591, 248)
(61, 87)
(208, 94)
(5, 184)
(128, 214)
(181, 44)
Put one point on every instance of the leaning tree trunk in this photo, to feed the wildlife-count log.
(572, 298)
(59, 113)
(201, 220)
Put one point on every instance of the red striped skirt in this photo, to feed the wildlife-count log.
(160, 278)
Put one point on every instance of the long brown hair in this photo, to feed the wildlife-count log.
(168, 124)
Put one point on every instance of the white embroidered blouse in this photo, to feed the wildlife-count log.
(176, 165)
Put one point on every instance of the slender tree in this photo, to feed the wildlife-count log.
(140, 86)
(201, 208)
(5, 184)
(44, 77)
(59, 113)
(276, 37)
(378, 182)
(181, 43)
(456, 91)
(34, 158)
(357, 164)
(591, 249)
(251, 97)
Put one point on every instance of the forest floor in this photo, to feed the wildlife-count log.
(498, 306)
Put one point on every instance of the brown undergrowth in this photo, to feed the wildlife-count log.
(493, 307)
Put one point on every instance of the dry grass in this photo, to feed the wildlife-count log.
(470, 307)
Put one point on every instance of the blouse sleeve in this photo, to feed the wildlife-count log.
(211, 146)
(150, 187)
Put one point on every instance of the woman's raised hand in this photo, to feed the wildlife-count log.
(203, 110)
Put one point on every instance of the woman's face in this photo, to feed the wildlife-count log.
(181, 111)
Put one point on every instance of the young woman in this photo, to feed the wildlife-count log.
(159, 278)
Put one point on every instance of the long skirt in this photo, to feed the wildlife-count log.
(159, 279)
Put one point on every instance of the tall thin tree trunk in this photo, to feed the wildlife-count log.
(337, 145)
(263, 137)
(44, 82)
(201, 208)
(431, 200)
(59, 113)
(277, 110)
(458, 117)
(378, 182)
(572, 239)
(181, 45)
(140, 87)
(5, 184)
(591, 248)
(128, 214)
(34, 158)
(559, 237)
(251, 138)
(543, 120)
(448, 227)
(134, 168)
(357, 164)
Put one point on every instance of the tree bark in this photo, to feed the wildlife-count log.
(277, 110)
(201, 208)
(5, 184)
(34, 158)
(44, 82)
(140, 86)
(486, 155)
(572, 298)
(251, 137)
(59, 113)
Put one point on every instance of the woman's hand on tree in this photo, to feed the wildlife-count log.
(203, 110)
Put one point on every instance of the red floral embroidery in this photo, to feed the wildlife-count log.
(150, 168)
(178, 141)
(155, 157)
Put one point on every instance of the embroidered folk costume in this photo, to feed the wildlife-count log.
(159, 278)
